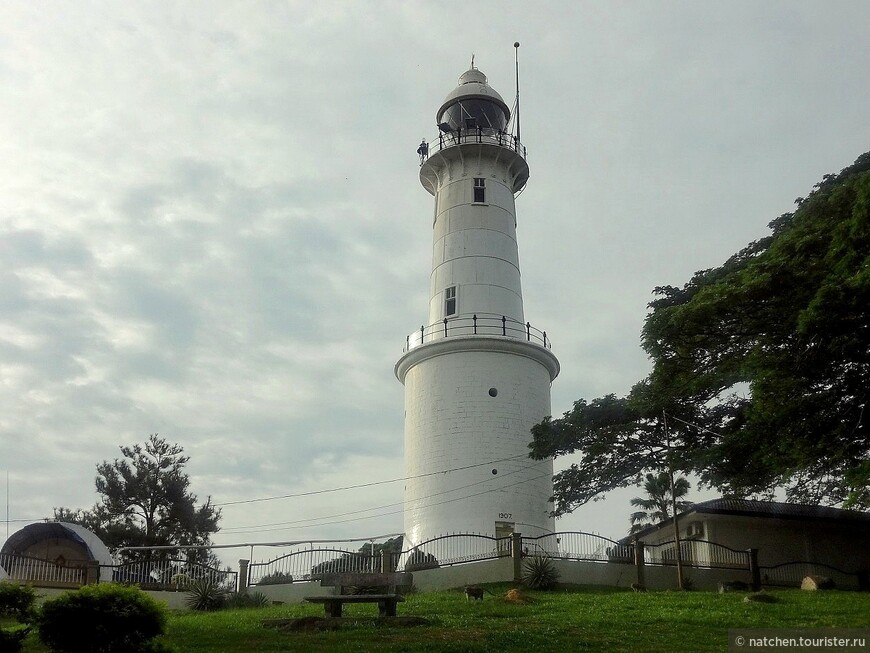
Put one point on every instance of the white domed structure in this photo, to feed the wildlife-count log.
(60, 543)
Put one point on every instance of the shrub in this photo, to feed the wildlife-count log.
(248, 600)
(419, 560)
(276, 578)
(104, 618)
(17, 601)
(539, 573)
(205, 594)
(11, 641)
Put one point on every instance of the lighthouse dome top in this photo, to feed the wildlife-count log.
(472, 75)
(473, 103)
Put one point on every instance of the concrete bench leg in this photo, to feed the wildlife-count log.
(387, 608)
(333, 608)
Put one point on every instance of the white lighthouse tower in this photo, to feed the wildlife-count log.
(477, 375)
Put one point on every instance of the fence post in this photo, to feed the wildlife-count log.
(242, 579)
(517, 555)
(92, 572)
(754, 571)
(639, 563)
(387, 562)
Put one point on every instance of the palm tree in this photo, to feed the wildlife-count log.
(657, 507)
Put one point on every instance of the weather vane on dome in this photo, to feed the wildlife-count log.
(472, 60)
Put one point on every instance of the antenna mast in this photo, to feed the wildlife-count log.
(517, 65)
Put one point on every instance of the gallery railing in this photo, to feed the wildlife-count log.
(478, 324)
(483, 135)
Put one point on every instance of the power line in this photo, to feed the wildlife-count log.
(350, 487)
(362, 485)
(237, 529)
(396, 512)
(697, 426)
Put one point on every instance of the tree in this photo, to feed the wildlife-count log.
(656, 507)
(761, 366)
(145, 500)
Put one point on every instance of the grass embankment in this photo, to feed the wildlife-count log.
(581, 619)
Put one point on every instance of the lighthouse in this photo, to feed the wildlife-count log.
(477, 374)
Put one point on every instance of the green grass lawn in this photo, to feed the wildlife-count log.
(580, 619)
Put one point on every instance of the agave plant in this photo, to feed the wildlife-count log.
(539, 573)
(205, 594)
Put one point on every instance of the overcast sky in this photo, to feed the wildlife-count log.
(211, 224)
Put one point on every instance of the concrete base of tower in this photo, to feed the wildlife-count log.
(470, 404)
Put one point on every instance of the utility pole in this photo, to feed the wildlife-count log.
(674, 503)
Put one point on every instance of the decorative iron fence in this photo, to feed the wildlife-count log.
(71, 573)
(696, 553)
(168, 574)
(486, 135)
(457, 549)
(790, 574)
(310, 564)
(577, 545)
(478, 324)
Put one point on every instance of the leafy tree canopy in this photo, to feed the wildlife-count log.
(762, 366)
(145, 500)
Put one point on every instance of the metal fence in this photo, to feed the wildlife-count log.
(28, 569)
(455, 549)
(696, 553)
(478, 324)
(577, 545)
(790, 574)
(168, 574)
(310, 564)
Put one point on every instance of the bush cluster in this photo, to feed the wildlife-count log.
(105, 618)
(420, 560)
(276, 578)
(206, 595)
(16, 601)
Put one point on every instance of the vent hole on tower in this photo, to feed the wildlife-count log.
(493, 392)
(494, 471)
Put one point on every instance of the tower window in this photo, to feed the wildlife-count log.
(479, 190)
(450, 301)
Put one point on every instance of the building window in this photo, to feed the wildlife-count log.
(450, 301)
(479, 190)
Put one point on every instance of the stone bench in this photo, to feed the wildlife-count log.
(386, 600)
(332, 603)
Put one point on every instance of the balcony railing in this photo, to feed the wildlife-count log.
(479, 324)
(487, 135)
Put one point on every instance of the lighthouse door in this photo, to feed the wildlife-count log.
(503, 532)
